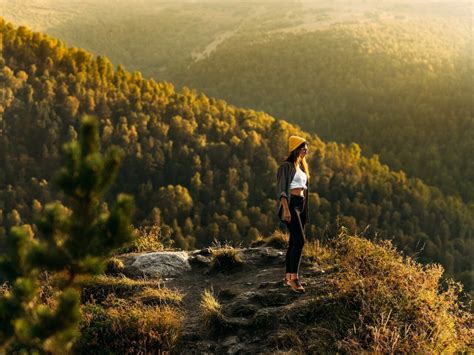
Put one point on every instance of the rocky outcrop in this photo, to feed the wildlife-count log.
(250, 310)
(256, 306)
(257, 309)
(162, 264)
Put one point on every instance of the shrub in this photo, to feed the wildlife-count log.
(401, 307)
(149, 238)
(70, 241)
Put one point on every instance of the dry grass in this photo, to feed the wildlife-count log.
(114, 266)
(258, 242)
(162, 296)
(97, 289)
(125, 327)
(211, 311)
(225, 258)
(313, 250)
(317, 253)
(400, 303)
(377, 301)
(278, 240)
(287, 341)
(128, 316)
(149, 238)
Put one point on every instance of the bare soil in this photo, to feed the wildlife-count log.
(261, 315)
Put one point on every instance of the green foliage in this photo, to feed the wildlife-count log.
(216, 162)
(70, 242)
(81, 236)
(402, 90)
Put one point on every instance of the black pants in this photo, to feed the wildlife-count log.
(297, 237)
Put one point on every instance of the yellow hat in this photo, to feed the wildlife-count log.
(294, 142)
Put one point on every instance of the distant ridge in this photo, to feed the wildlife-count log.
(198, 167)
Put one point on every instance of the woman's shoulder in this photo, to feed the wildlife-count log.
(286, 163)
(286, 167)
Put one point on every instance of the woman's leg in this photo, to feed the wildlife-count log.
(288, 251)
(296, 243)
(294, 252)
(297, 246)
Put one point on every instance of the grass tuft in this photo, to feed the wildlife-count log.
(225, 259)
(211, 311)
(278, 240)
(162, 296)
(148, 238)
(258, 242)
(4, 289)
(114, 266)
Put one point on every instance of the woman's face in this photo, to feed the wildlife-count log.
(304, 150)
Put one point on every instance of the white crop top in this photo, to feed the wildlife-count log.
(299, 180)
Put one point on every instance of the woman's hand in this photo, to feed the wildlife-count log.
(286, 214)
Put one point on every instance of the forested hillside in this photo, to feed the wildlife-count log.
(399, 89)
(392, 76)
(140, 35)
(199, 167)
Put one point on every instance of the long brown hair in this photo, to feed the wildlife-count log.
(294, 158)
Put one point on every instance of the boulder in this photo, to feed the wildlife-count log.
(159, 264)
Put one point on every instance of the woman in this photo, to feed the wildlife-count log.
(292, 186)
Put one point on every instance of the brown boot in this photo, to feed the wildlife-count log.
(301, 281)
(285, 282)
(296, 286)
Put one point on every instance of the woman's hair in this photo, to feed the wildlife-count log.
(294, 158)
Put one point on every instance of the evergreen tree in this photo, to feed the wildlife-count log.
(72, 241)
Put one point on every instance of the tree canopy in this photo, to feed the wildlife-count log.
(197, 165)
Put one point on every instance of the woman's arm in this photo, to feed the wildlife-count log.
(282, 185)
(282, 181)
(286, 211)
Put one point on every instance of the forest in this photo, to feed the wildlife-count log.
(198, 167)
(400, 90)
(392, 76)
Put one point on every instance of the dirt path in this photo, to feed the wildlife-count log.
(256, 304)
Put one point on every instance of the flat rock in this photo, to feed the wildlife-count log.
(199, 260)
(160, 264)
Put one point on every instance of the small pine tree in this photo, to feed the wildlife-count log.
(71, 241)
